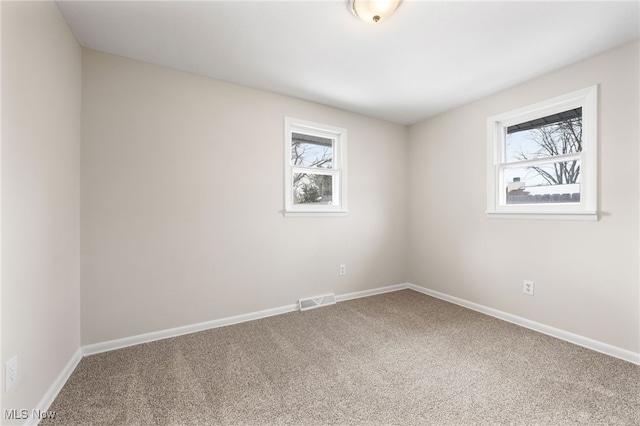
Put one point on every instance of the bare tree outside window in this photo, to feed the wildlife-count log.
(553, 138)
(559, 138)
(312, 152)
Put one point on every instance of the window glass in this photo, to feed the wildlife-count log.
(544, 183)
(311, 151)
(557, 134)
(312, 188)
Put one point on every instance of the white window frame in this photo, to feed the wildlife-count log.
(587, 208)
(338, 170)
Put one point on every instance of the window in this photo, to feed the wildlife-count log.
(542, 159)
(315, 169)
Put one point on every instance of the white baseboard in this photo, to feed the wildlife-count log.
(373, 292)
(187, 329)
(179, 331)
(576, 339)
(551, 331)
(55, 388)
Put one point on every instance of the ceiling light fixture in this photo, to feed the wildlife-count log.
(373, 11)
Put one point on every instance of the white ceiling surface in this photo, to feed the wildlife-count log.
(429, 57)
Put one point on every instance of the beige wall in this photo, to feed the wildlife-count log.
(586, 273)
(182, 197)
(41, 81)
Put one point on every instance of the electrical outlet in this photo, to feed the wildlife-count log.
(528, 287)
(343, 269)
(11, 372)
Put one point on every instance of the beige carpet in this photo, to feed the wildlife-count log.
(400, 358)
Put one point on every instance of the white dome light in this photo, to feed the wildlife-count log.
(374, 11)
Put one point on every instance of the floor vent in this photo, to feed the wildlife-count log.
(316, 302)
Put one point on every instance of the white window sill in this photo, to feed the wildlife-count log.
(557, 215)
(335, 213)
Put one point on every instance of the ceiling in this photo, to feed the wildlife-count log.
(429, 57)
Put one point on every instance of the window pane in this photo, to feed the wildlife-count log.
(549, 183)
(555, 134)
(311, 151)
(310, 188)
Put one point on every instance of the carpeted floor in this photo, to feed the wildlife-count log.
(400, 358)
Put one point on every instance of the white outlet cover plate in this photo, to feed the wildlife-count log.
(11, 372)
(528, 287)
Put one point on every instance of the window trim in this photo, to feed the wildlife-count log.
(338, 169)
(587, 208)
